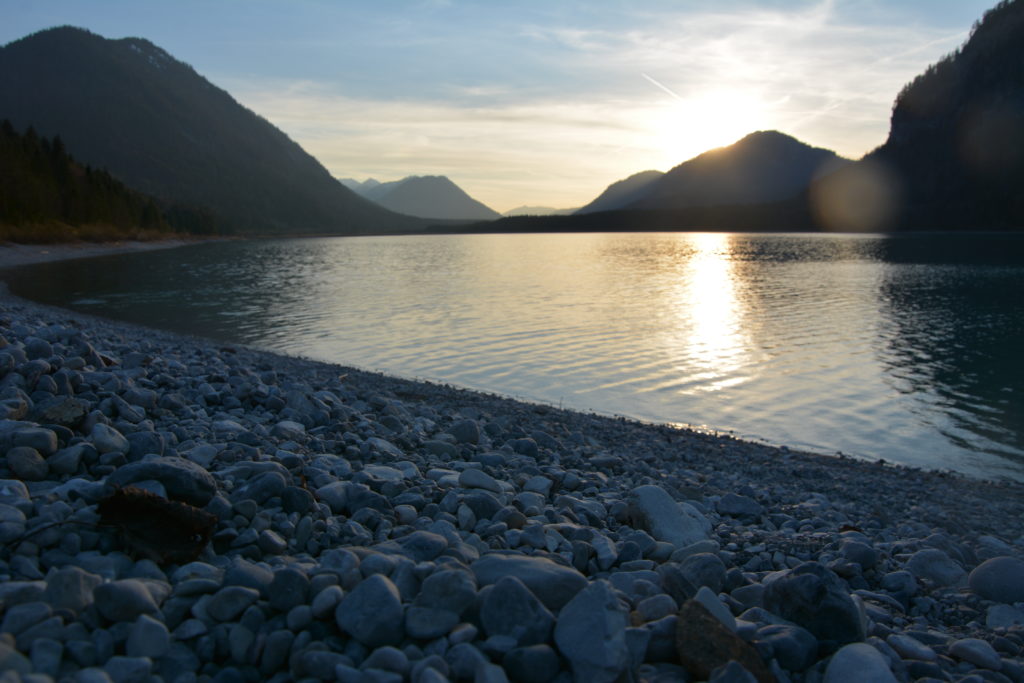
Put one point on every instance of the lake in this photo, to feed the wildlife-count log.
(902, 348)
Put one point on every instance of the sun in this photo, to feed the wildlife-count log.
(688, 126)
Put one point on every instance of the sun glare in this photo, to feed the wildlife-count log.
(689, 126)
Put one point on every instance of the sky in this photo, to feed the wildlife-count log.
(539, 102)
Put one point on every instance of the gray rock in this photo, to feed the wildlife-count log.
(478, 479)
(732, 672)
(148, 637)
(451, 590)
(271, 543)
(326, 601)
(183, 479)
(372, 612)
(124, 600)
(1000, 579)
(911, 648)
(42, 439)
(937, 567)
(465, 431)
(709, 599)
(71, 588)
(532, 664)
(289, 589)
(229, 602)
(45, 655)
(976, 651)
(735, 505)
(857, 663)
(704, 569)
(861, 553)
(815, 598)
(27, 464)
(653, 509)
(591, 634)
(795, 648)
(554, 584)
(1003, 616)
(106, 439)
(262, 488)
(21, 617)
(129, 669)
(428, 623)
(510, 609)
(387, 658)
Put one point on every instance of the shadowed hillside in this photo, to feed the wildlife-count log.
(161, 128)
(425, 196)
(46, 196)
(956, 142)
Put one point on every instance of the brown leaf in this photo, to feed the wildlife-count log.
(165, 531)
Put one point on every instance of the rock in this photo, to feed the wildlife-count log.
(24, 616)
(27, 464)
(478, 479)
(60, 410)
(704, 569)
(861, 553)
(289, 589)
(12, 660)
(465, 431)
(71, 588)
(856, 663)
(147, 638)
(106, 439)
(709, 599)
(911, 648)
(183, 479)
(591, 634)
(427, 623)
(936, 566)
(450, 590)
(532, 664)
(372, 612)
(653, 510)
(735, 505)
(124, 600)
(977, 652)
(42, 439)
(794, 647)
(814, 597)
(129, 669)
(510, 609)
(703, 644)
(1003, 616)
(733, 672)
(1000, 579)
(554, 584)
(229, 602)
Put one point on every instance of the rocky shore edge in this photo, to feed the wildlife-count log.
(177, 510)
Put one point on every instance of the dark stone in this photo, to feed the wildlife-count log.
(812, 596)
(182, 479)
(703, 644)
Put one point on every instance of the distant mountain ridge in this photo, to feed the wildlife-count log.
(538, 211)
(622, 193)
(129, 107)
(431, 197)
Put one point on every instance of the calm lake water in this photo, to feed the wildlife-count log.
(906, 349)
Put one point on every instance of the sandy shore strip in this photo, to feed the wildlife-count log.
(334, 524)
(26, 254)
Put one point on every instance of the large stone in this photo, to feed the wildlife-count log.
(856, 663)
(510, 609)
(552, 583)
(794, 647)
(71, 588)
(60, 410)
(931, 564)
(124, 600)
(704, 643)
(106, 439)
(815, 598)
(183, 479)
(372, 612)
(148, 637)
(465, 431)
(978, 652)
(27, 464)
(591, 634)
(229, 602)
(652, 509)
(1000, 579)
(735, 505)
(450, 590)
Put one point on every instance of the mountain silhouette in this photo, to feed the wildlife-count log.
(158, 126)
(431, 196)
(954, 157)
(623, 192)
(538, 211)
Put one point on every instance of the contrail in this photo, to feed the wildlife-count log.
(663, 87)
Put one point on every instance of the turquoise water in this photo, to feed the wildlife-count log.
(906, 349)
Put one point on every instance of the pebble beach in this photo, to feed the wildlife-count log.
(350, 526)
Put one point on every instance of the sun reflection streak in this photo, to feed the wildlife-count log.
(708, 313)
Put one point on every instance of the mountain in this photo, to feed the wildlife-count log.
(623, 192)
(766, 166)
(158, 126)
(538, 211)
(955, 151)
(428, 196)
(46, 196)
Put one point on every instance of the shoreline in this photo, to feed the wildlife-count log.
(13, 255)
(374, 526)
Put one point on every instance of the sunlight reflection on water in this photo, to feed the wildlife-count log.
(901, 348)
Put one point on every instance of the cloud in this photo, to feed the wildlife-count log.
(572, 103)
